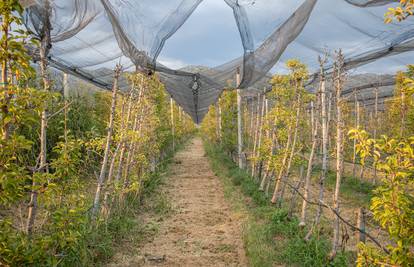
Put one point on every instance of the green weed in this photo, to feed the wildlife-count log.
(270, 236)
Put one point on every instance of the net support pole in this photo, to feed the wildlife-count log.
(66, 110)
(375, 124)
(65, 86)
(109, 137)
(361, 225)
(239, 122)
(356, 107)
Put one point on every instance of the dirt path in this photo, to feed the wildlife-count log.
(202, 229)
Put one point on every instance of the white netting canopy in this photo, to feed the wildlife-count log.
(90, 37)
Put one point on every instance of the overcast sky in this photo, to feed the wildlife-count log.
(210, 36)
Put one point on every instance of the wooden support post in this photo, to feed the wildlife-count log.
(279, 178)
(239, 122)
(293, 148)
(361, 225)
(376, 123)
(295, 191)
(328, 126)
(357, 114)
(338, 83)
(261, 136)
(362, 169)
(102, 174)
(252, 129)
(43, 53)
(65, 96)
(4, 86)
(125, 125)
(65, 85)
(310, 166)
(324, 142)
(256, 134)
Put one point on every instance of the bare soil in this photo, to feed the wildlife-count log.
(200, 230)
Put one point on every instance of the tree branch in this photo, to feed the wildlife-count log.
(336, 213)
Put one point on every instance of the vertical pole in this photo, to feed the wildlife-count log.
(328, 126)
(219, 121)
(294, 191)
(65, 85)
(264, 120)
(239, 122)
(403, 107)
(172, 122)
(324, 144)
(338, 80)
(306, 194)
(43, 53)
(376, 123)
(256, 134)
(4, 80)
(361, 225)
(66, 96)
(102, 174)
(358, 126)
(252, 127)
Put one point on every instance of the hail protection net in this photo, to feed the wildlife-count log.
(90, 37)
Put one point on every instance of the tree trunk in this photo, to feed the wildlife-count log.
(4, 80)
(324, 148)
(376, 123)
(328, 128)
(266, 162)
(259, 135)
(252, 129)
(292, 152)
(294, 192)
(339, 149)
(261, 162)
(357, 114)
(281, 171)
(137, 129)
(172, 123)
(265, 177)
(403, 114)
(239, 123)
(124, 137)
(65, 96)
(44, 51)
(218, 128)
(310, 166)
(219, 122)
(105, 208)
(102, 174)
(256, 134)
(131, 152)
